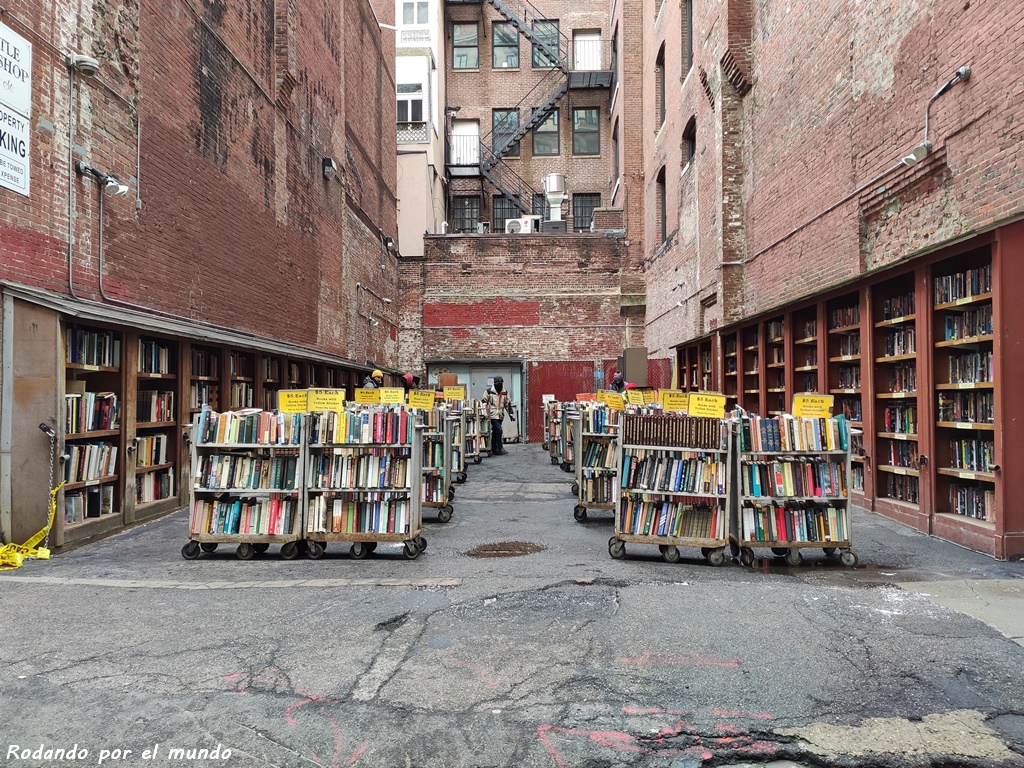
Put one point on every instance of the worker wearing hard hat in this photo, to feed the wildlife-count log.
(375, 380)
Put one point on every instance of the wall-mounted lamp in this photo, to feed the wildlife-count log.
(84, 65)
(920, 152)
(452, 111)
(108, 183)
(917, 154)
(330, 166)
(389, 243)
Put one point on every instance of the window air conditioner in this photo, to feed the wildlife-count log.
(523, 225)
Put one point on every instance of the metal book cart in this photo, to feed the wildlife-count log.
(363, 481)
(246, 489)
(555, 415)
(596, 483)
(436, 489)
(474, 439)
(483, 426)
(547, 411)
(458, 419)
(561, 444)
(673, 490)
(792, 488)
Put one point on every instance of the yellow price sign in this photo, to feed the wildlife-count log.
(634, 397)
(650, 396)
(326, 400)
(456, 393)
(586, 397)
(709, 404)
(814, 406)
(614, 401)
(392, 395)
(368, 396)
(292, 400)
(421, 398)
(673, 400)
(602, 395)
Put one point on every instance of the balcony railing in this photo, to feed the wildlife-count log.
(413, 133)
(590, 56)
(464, 150)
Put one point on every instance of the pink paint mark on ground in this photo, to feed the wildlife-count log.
(648, 659)
(653, 711)
(358, 753)
(736, 713)
(476, 671)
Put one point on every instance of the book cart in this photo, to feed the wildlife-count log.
(563, 452)
(470, 410)
(673, 485)
(247, 469)
(458, 426)
(483, 429)
(597, 469)
(362, 483)
(793, 487)
(555, 412)
(436, 491)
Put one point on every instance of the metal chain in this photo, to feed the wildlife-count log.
(53, 453)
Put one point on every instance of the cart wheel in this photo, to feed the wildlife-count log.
(372, 545)
(717, 556)
(359, 550)
(191, 550)
(554, 460)
(460, 477)
(421, 543)
(412, 551)
(616, 548)
(245, 552)
(208, 546)
(544, 446)
(848, 558)
(444, 514)
(781, 551)
(290, 550)
(829, 551)
(705, 552)
(734, 549)
(477, 459)
(579, 512)
(794, 557)
(671, 554)
(261, 548)
(451, 492)
(314, 550)
(575, 488)
(747, 556)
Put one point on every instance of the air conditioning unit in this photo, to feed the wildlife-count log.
(523, 225)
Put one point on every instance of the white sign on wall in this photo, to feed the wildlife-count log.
(15, 71)
(14, 136)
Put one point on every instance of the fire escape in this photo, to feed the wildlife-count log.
(541, 101)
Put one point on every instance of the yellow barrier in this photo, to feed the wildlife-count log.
(14, 555)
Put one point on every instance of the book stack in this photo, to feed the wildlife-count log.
(248, 427)
(343, 513)
(673, 430)
(358, 468)
(249, 471)
(788, 433)
(793, 523)
(274, 516)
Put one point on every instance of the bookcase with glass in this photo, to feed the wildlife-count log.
(247, 487)
(673, 485)
(596, 434)
(896, 457)
(775, 365)
(750, 369)
(363, 484)
(92, 435)
(155, 444)
(963, 333)
(845, 378)
(793, 489)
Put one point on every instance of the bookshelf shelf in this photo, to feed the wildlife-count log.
(91, 483)
(970, 341)
(967, 385)
(596, 484)
(894, 321)
(844, 391)
(852, 328)
(806, 368)
(899, 435)
(895, 358)
(142, 470)
(92, 434)
(965, 425)
(981, 298)
(806, 340)
(844, 358)
(896, 395)
(92, 368)
(987, 525)
(966, 474)
(898, 470)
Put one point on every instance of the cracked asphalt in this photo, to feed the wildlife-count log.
(561, 657)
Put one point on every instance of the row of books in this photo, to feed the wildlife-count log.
(849, 377)
(973, 455)
(810, 356)
(674, 472)
(347, 514)
(384, 425)
(849, 344)
(903, 488)
(976, 407)
(242, 394)
(775, 330)
(240, 365)
(248, 427)
(902, 378)
(598, 418)
(600, 454)
(88, 503)
(972, 322)
(353, 468)
(153, 405)
(765, 434)
(155, 357)
(971, 367)
(903, 453)
(801, 478)
(898, 306)
(433, 452)
(673, 430)
(273, 516)
(90, 412)
(775, 522)
(678, 519)
(900, 418)
(433, 489)
(844, 317)
(89, 461)
(87, 347)
(155, 486)
(851, 408)
(205, 362)
(972, 501)
(203, 393)
(249, 471)
(901, 341)
(152, 450)
(963, 285)
(598, 489)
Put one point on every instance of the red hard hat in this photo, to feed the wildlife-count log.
(630, 385)
(408, 379)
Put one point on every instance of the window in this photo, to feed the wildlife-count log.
(615, 153)
(465, 46)
(583, 205)
(415, 13)
(586, 131)
(661, 212)
(690, 141)
(503, 209)
(659, 84)
(686, 19)
(504, 124)
(545, 136)
(410, 103)
(504, 46)
(546, 31)
(465, 213)
(615, 58)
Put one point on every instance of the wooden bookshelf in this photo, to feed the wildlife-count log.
(205, 377)
(805, 355)
(751, 359)
(844, 374)
(776, 360)
(155, 432)
(730, 367)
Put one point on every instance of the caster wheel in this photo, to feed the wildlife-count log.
(359, 550)
(829, 551)
(671, 554)
(848, 558)
(421, 543)
(579, 512)
(780, 551)
(747, 557)
(444, 514)
(575, 488)
(372, 545)
(245, 552)
(451, 493)
(705, 552)
(191, 550)
(544, 446)
(460, 477)
(290, 550)
(208, 546)
(477, 459)
(734, 549)
(794, 557)
(554, 460)
(412, 551)
(717, 556)
(314, 550)
(617, 549)
(260, 548)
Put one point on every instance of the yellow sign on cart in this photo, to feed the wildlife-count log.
(421, 398)
(634, 397)
(326, 400)
(602, 395)
(814, 406)
(710, 404)
(614, 401)
(368, 396)
(456, 393)
(292, 400)
(392, 395)
(650, 396)
(673, 400)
